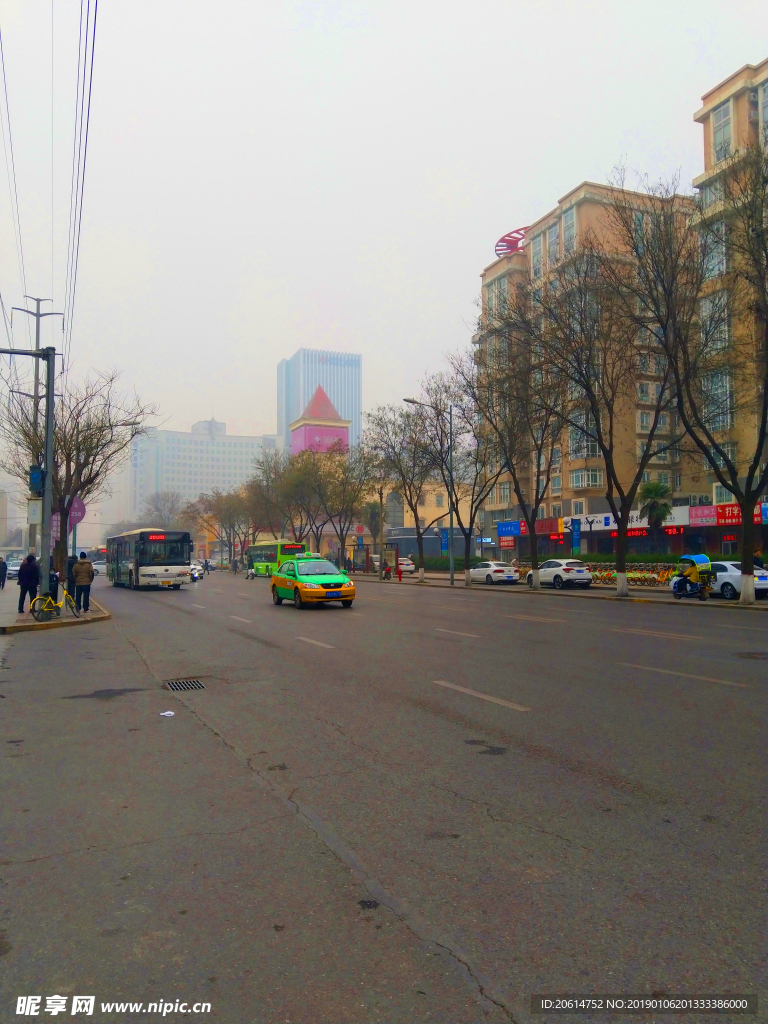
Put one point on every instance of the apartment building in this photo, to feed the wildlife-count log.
(734, 113)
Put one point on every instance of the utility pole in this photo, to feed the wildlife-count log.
(49, 355)
(36, 401)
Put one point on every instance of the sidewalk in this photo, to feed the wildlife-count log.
(12, 622)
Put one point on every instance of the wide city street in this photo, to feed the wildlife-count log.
(427, 807)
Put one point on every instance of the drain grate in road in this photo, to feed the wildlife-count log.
(183, 684)
(754, 655)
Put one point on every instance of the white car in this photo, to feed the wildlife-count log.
(728, 580)
(562, 572)
(494, 572)
(406, 565)
(196, 570)
(99, 567)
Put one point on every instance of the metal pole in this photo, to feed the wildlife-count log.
(74, 539)
(45, 531)
(450, 477)
(381, 534)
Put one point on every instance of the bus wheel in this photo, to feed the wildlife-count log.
(276, 599)
(297, 602)
(176, 586)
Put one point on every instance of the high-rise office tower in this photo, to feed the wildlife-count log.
(340, 374)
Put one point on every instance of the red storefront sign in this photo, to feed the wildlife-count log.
(721, 515)
(546, 525)
(506, 542)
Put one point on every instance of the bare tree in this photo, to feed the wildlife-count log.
(396, 440)
(94, 425)
(163, 509)
(606, 364)
(343, 478)
(699, 280)
(464, 464)
(520, 404)
(275, 483)
(225, 514)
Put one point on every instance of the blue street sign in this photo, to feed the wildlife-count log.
(575, 534)
(444, 541)
(359, 542)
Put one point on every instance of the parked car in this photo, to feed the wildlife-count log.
(99, 567)
(494, 572)
(406, 565)
(562, 572)
(728, 580)
(13, 569)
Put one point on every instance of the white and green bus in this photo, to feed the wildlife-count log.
(268, 554)
(149, 558)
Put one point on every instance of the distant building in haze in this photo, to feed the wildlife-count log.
(340, 374)
(319, 427)
(190, 462)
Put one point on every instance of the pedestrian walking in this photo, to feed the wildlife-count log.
(234, 566)
(3, 572)
(29, 581)
(206, 567)
(82, 571)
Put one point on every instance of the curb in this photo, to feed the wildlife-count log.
(31, 627)
(663, 601)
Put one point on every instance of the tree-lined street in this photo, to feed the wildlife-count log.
(335, 829)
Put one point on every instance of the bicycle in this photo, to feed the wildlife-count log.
(44, 608)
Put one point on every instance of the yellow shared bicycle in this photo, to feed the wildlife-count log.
(44, 608)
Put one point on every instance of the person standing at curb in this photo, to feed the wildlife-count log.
(29, 581)
(82, 571)
(3, 572)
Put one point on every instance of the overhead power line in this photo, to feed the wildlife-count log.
(85, 54)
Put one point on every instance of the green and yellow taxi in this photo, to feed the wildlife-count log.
(310, 579)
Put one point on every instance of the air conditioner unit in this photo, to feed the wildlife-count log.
(694, 499)
(753, 97)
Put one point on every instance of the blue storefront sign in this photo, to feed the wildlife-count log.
(509, 528)
(360, 542)
(575, 535)
(444, 541)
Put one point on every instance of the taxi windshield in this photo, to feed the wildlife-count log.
(317, 567)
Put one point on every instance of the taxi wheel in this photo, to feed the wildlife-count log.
(346, 604)
(276, 599)
(176, 586)
(297, 602)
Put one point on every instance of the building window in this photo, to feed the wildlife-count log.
(439, 500)
(504, 493)
(581, 443)
(645, 421)
(553, 244)
(722, 495)
(646, 478)
(764, 113)
(712, 193)
(536, 256)
(678, 484)
(541, 512)
(556, 455)
(717, 393)
(639, 232)
(569, 230)
(578, 508)
(422, 498)
(715, 321)
(491, 499)
(557, 484)
(729, 450)
(586, 478)
(643, 392)
(663, 418)
(721, 131)
(495, 517)
(716, 254)
(557, 511)
(663, 478)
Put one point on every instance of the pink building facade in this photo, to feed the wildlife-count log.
(319, 428)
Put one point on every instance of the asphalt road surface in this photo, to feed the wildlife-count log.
(425, 808)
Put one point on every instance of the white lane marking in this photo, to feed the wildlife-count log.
(651, 632)
(457, 633)
(357, 615)
(533, 618)
(199, 606)
(238, 619)
(683, 675)
(216, 591)
(752, 629)
(317, 643)
(483, 696)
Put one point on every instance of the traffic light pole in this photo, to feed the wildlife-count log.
(49, 355)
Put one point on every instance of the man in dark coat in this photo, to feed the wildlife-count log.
(29, 581)
(3, 572)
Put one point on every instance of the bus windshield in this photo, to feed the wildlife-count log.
(164, 552)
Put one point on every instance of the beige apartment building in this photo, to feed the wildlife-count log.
(734, 112)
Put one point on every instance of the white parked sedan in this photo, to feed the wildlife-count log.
(562, 572)
(494, 572)
(728, 582)
(99, 568)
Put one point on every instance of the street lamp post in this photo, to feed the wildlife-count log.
(413, 401)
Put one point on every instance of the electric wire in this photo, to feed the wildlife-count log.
(86, 51)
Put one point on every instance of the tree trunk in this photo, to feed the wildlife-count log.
(420, 543)
(622, 588)
(534, 542)
(747, 552)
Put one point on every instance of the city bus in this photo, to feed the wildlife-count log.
(268, 554)
(149, 558)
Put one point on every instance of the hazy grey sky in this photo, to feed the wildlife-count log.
(266, 176)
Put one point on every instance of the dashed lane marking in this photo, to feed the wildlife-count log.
(199, 606)
(483, 696)
(651, 632)
(238, 619)
(683, 675)
(455, 632)
(317, 643)
(533, 618)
